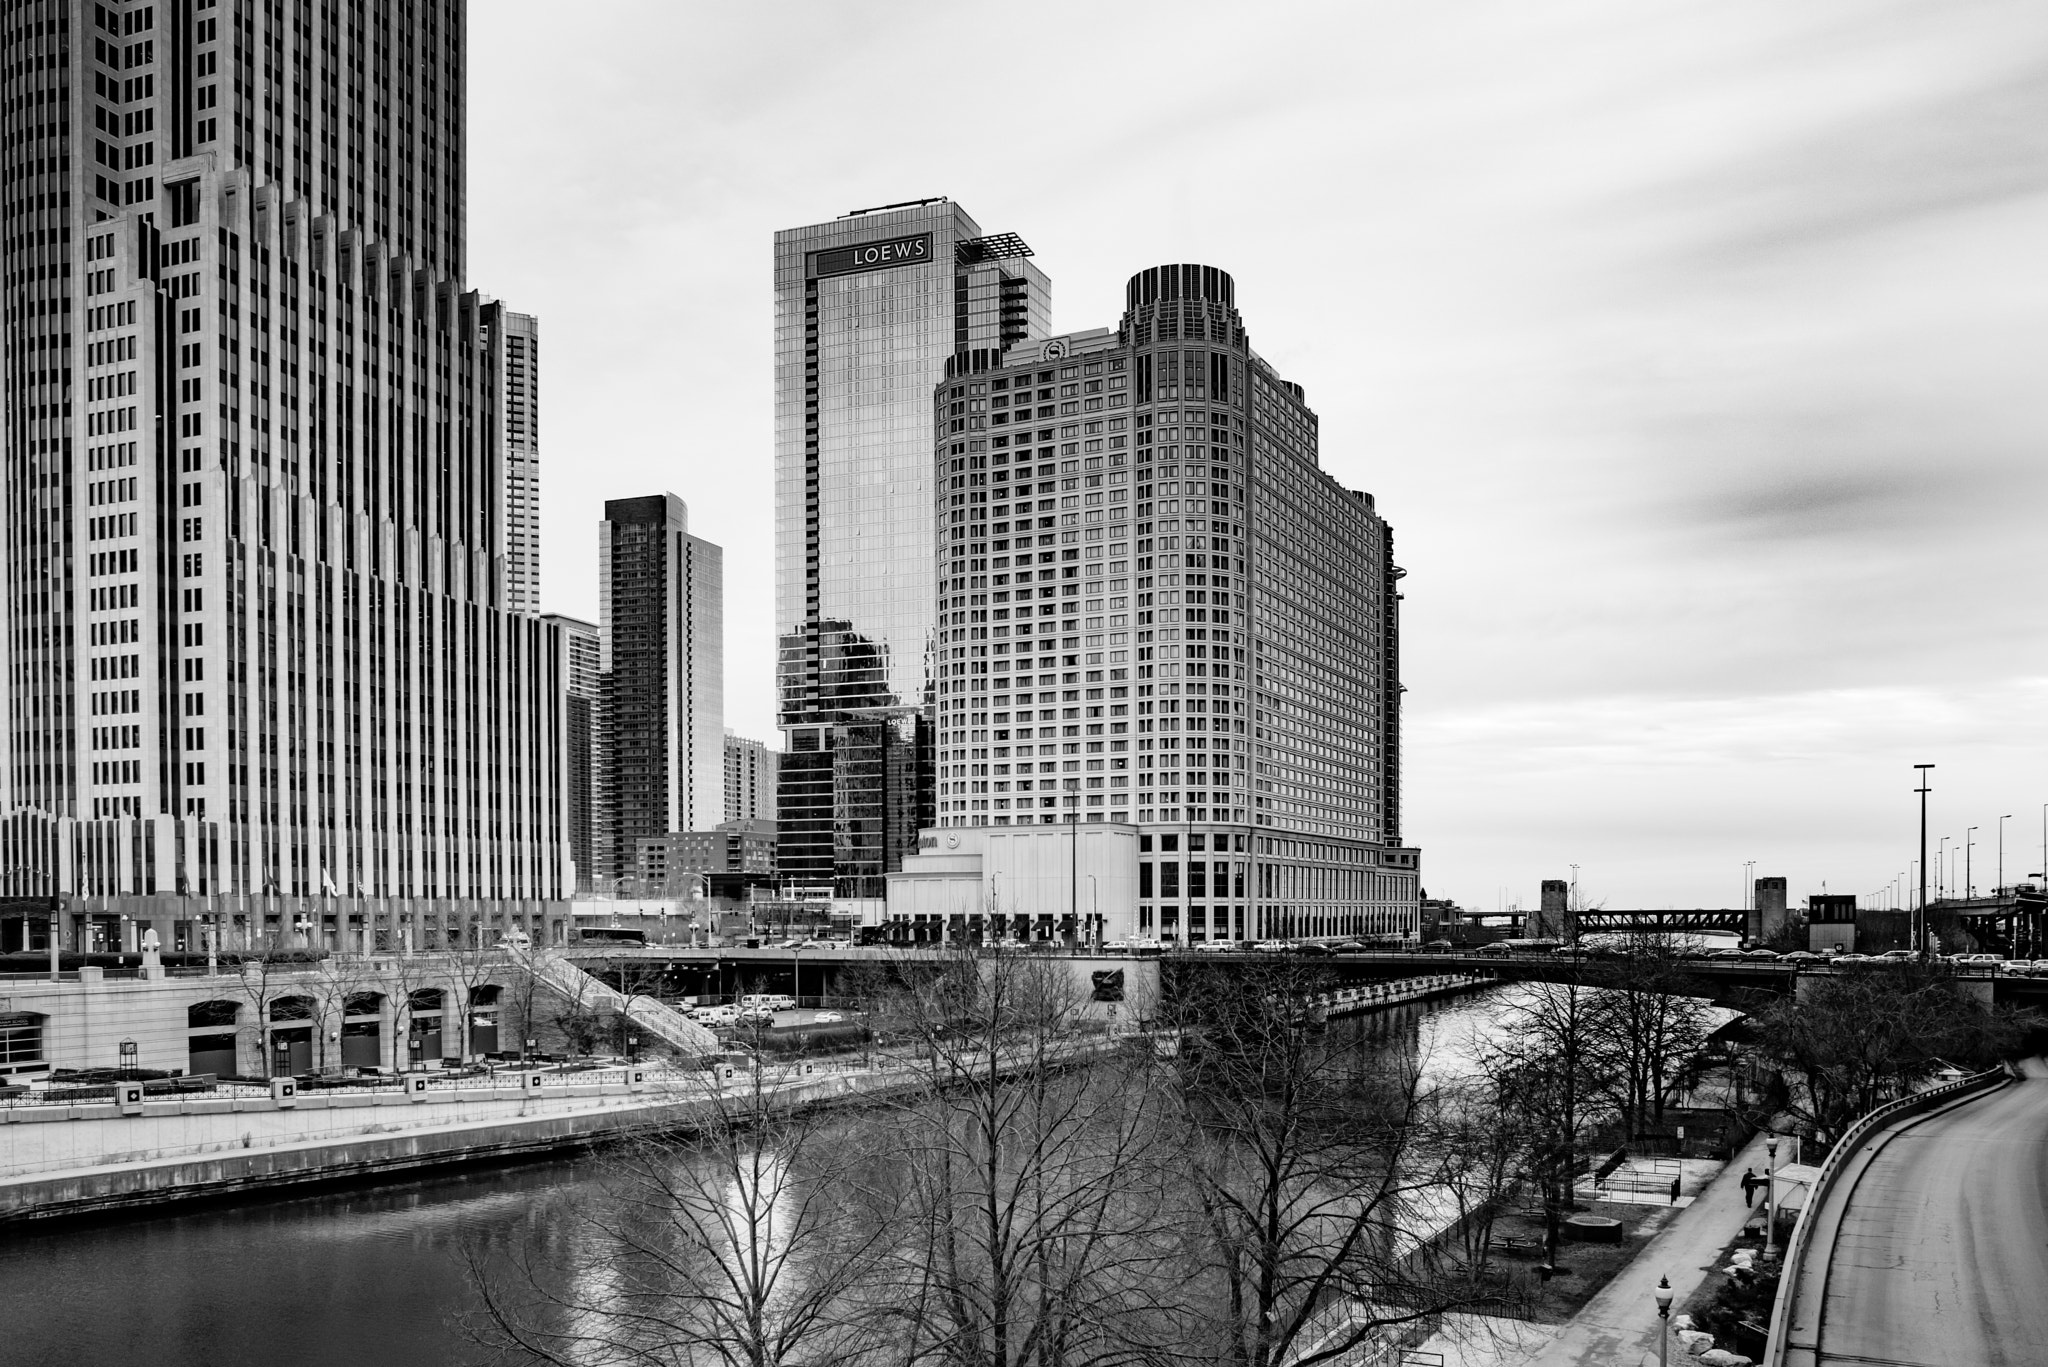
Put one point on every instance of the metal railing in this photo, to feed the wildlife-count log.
(1845, 1148)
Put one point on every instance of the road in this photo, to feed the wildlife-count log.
(1940, 1254)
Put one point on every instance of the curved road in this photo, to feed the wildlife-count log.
(1939, 1257)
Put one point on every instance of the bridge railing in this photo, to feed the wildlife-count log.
(1853, 1139)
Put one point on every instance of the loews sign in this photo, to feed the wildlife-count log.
(873, 256)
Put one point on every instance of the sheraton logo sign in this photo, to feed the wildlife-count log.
(873, 256)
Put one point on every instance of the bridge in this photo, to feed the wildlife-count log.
(811, 972)
(1646, 921)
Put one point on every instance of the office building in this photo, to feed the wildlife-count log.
(259, 650)
(749, 779)
(662, 594)
(584, 723)
(869, 311)
(1155, 608)
(734, 847)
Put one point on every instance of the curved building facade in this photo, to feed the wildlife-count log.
(1156, 608)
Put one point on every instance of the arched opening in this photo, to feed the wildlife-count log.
(423, 1040)
(362, 1038)
(483, 1019)
(210, 1038)
(291, 1036)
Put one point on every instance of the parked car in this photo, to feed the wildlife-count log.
(1314, 949)
(1215, 947)
(715, 1017)
(1726, 954)
(1271, 947)
(1348, 947)
(1760, 953)
(827, 1018)
(1897, 956)
(1495, 949)
(755, 1015)
(1852, 958)
(1802, 956)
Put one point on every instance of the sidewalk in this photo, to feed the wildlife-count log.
(1618, 1327)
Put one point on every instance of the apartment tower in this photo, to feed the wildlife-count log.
(1156, 608)
(263, 536)
(749, 779)
(869, 311)
(662, 594)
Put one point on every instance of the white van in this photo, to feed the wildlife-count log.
(768, 1001)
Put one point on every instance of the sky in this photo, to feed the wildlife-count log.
(1695, 351)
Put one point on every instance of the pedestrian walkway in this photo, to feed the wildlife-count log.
(1618, 1327)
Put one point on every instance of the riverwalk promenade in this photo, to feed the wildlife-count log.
(1618, 1327)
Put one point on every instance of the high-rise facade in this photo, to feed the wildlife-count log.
(869, 311)
(517, 382)
(1156, 608)
(584, 729)
(749, 779)
(662, 594)
(259, 657)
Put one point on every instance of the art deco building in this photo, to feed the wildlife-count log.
(1156, 608)
(869, 310)
(263, 512)
(662, 595)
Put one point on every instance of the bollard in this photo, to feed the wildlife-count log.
(415, 1087)
(130, 1096)
(284, 1092)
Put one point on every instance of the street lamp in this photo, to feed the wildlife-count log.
(1770, 1195)
(1969, 845)
(1663, 1294)
(2001, 853)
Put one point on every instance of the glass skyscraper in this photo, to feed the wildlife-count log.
(1154, 607)
(869, 311)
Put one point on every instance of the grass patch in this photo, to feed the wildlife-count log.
(1584, 1268)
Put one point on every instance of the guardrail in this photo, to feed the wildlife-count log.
(1831, 1167)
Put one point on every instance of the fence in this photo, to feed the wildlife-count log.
(1845, 1148)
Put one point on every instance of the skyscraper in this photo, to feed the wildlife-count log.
(869, 310)
(749, 779)
(584, 728)
(259, 657)
(1156, 608)
(662, 593)
(517, 382)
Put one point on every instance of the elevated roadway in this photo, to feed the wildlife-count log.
(1931, 1250)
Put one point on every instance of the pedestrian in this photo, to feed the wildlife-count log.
(1750, 1182)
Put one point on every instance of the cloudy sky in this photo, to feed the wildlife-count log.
(1698, 353)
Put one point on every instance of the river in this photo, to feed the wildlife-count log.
(359, 1277)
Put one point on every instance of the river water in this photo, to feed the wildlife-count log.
(366, 1276)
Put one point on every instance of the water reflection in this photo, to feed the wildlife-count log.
(375, 1277)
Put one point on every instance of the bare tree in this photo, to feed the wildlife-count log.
(337, 978)
(1311, 1176)
(1657, 1017)
(1029, 1174)
(1555, 1059)
(1857, 1039)
(742, 1242)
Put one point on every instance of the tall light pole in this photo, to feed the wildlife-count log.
(1941, 867)
(1969, 846)
(2001, 854)
(1920, 914)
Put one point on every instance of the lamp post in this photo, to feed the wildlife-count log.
(2001, 854)
(1969, 846)
(1770, 1195)
(1663, 1294)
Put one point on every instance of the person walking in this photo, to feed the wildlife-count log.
(1750, 1182)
